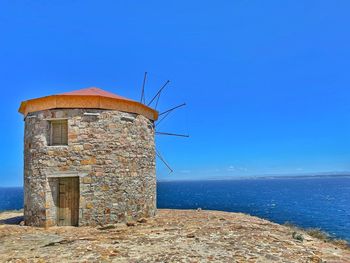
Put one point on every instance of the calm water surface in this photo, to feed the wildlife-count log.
(318, 202)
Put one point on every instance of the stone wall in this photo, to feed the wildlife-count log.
(113, 154)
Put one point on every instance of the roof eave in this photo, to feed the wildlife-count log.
(25, 104)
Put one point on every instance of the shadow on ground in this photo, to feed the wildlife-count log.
(12, 221)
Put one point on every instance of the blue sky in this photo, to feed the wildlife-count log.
(266, 82)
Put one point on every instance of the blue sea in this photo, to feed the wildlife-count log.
(317, 202)
(306, 202)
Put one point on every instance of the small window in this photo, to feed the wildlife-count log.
(59, 132)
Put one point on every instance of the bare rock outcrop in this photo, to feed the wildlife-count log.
(171, 236)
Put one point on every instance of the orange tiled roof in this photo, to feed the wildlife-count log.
(93, 91)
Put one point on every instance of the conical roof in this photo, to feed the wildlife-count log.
(93, 91)
(88, 98)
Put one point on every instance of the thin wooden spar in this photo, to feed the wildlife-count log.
(162, 159)
(158, 94)
(142, 100)
(172, 134)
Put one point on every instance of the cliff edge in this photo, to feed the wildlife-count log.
(171, 236)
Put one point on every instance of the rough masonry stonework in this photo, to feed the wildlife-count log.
(113, 155)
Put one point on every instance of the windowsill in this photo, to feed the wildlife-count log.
(58, 146)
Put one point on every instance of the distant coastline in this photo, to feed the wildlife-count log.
(262, 177)
(247, 177)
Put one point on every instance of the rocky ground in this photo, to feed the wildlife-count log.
(172, 236)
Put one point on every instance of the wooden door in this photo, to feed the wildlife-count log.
(68, 214)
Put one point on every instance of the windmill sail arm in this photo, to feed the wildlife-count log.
(165, 163)
(142, 100)
(167, 112)
(158, 93)
(172, 134)
(174, 108)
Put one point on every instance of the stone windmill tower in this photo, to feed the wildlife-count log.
(89, 159)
